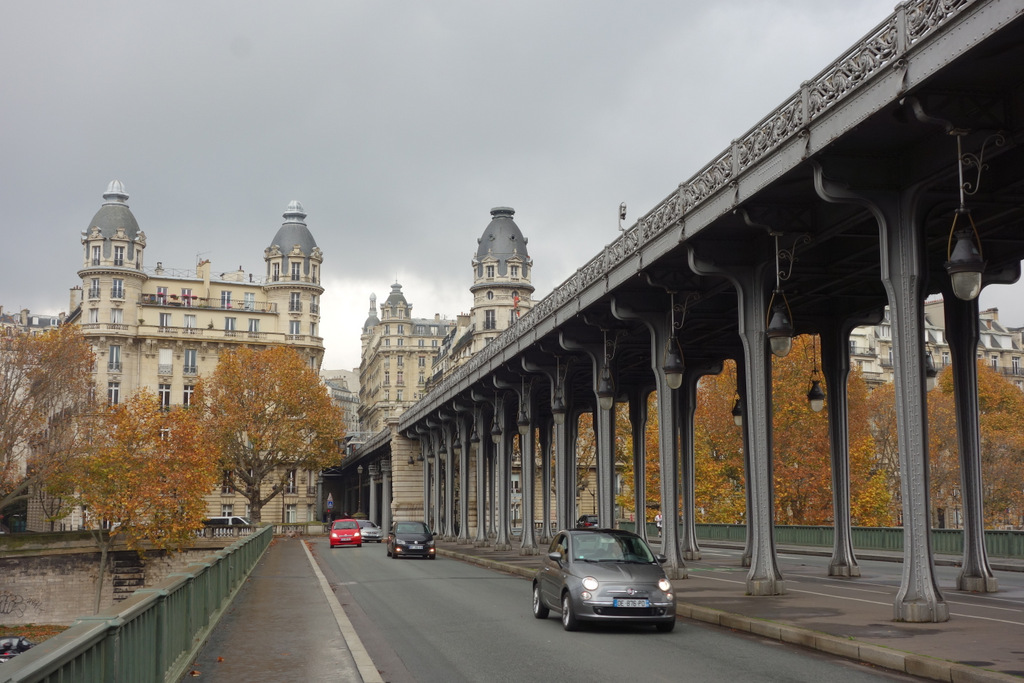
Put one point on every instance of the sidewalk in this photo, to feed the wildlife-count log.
(961, 649)
(281, 627)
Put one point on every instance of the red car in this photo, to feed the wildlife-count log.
(346, 532)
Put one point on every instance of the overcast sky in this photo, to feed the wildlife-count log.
(397, 125)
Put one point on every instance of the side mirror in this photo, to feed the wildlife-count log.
(433, 535)
(555, 557)
(661, 559)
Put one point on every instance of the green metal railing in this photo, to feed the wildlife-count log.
(153, 635)
(998, 542)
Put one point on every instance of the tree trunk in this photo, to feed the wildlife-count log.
(104, 546)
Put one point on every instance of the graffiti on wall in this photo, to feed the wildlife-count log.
(12, 603)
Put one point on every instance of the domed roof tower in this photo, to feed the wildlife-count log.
(502, 271)
(114, 225)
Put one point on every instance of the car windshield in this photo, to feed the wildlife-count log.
(367, 524)
(602, 547)
(346, 524)
(411, 528)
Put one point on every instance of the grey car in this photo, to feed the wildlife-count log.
(603, 575)
(371, 532)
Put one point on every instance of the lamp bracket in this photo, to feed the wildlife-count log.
(972, 160)
(787, 256)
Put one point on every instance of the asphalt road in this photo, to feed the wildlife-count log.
(446, 621)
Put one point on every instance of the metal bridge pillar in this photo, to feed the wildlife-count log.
(835, 366)
(752, 293)
(659, 326)
(638, 423)
(962, 335)
(482, 444)
(688, 545)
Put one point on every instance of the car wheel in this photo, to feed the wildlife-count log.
(665, 626)
(433, 557)
(569, 620)
(540, 610)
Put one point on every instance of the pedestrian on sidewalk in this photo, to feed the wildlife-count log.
(657, 522)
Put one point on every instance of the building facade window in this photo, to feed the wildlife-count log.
(490, 271)
(94, 315)
(190, 321)
(229, 324)
(295, 271)
(116, 316)
(513, 271)
(94, 288)
(165, 362)
(96, 255)
(290, 513)
(227, 509)
(165, 320)
(1015, 364)
(275, 272)
(113, 393)
(490, 322)
(387, 378)
(186, 296)
(187, 394)
(191, 367)
(295, 302)
(225, 299)
(164, 394)
(118, 256)
(290, 483)
(254, 324)
(161, 295)
(293, 327)
(312, 329)
(117, 288)
(114, 358)
(422, 361)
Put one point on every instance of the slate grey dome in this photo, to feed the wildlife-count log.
(115, 214)
(396, 298)
(294, 231)
(502, 239)
(371, 320)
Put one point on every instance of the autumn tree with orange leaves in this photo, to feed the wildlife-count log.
(269, 413)
(45, 386)
(1001, 412)
(144, 476)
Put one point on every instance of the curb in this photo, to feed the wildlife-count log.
(849, 648)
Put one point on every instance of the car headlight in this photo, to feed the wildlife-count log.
(665, 585)
(590, 583)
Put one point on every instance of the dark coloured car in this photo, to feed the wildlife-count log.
(586, 521)
(411, 539)
(346, 532)
(12, 646)
(371, 532)
(603, 575)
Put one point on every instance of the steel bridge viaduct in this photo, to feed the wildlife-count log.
(837, 204)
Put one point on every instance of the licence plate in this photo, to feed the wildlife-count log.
(415, 547)
(632, 602)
